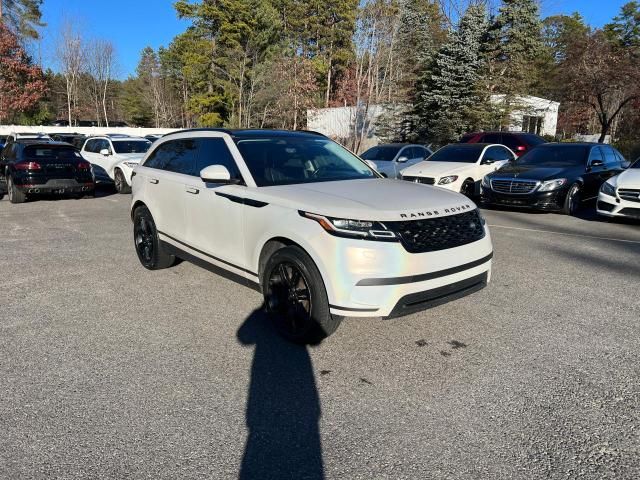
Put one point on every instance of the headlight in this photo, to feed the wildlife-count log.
(552, 184)
(486, 182)
(608, 189)
(343, 227)
(448, 180)
(131, 164)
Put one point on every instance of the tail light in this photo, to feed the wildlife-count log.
(27, 166)
(84, 166)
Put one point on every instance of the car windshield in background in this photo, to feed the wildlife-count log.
(384, 153)
(51, 153)
(466, 153)
(555, 156)
(131, 146)
(636, 164)
(287, 161)
(532, 139)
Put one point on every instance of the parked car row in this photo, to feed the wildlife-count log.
(548, 176)
(34, 163)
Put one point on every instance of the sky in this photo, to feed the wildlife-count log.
(132, 25)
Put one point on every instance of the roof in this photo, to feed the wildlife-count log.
(569, 144)
(252, 133)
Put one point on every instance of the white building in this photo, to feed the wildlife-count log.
(528, 114)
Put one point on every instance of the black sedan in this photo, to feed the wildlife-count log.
(553, 176)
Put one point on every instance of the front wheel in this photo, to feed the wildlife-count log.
(147, 242)
(121, 184)
(295, 297)
(572, 200)
(468, 189)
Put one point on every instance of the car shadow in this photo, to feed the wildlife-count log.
(283, 407)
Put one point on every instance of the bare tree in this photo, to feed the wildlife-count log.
(100, 64)
(71, 57)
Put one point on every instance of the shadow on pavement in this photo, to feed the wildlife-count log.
(283, 407)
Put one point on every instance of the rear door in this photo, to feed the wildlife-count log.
(165, 174)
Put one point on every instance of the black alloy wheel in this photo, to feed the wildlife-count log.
(468, 189)
(15, 195)
(290, 299)
(145, 237)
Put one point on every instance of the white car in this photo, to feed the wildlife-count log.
(460, 166)
(114, 157)
(620, 195)
(389, 159)
(311, 225)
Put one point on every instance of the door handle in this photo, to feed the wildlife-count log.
(192, 190)
(154, 181)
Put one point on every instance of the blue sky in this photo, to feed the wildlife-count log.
(133, 24)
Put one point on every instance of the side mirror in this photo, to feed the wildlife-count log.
(596, 163)
(105, 152)
(215, 174)
(402, 159)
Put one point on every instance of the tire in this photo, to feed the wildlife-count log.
(146, 241)
(15, 195)
(297, 305)
(572, 200)
(468, 188)
(120, 182)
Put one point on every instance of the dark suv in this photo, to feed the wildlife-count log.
(553, 176)
(519, 142)
(35, 167)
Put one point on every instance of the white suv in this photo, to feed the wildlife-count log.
(319, 232)
(113, 158)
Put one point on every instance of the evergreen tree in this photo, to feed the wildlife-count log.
(515, 47)
(22, 16)
(450, 102)
(625, 28)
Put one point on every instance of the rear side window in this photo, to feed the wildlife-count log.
(596, 154)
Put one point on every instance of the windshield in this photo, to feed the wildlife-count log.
(291, 160)
(131, 146)
(555, 156)
(382, 152)
(458, 153)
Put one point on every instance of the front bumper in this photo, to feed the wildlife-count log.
(616, 207)
(382, 279)
(551, 201)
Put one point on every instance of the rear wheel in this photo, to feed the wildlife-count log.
(15, 195)
(572, 200)
(295, 297)
(120, 182)
(148, 247)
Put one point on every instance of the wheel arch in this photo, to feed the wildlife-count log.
(137, 204)
(269, 247)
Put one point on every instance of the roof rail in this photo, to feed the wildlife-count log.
(223, 130)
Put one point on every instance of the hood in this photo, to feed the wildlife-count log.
(130, 157)
(437, 169)
(629, 178)
(368, 199)
(533, 173)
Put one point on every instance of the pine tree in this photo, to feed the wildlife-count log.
(516, 45)
(449, 102)
(23, 16)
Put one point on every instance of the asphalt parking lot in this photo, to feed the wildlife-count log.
(108, 370)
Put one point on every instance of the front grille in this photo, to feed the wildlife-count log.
(440, 233)
(513, 186)
(424, 180)
(631, 194)
(605, 207)
(631, 212)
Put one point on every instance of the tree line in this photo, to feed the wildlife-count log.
(434, 66)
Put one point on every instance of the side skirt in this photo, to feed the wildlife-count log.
(234, 277)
